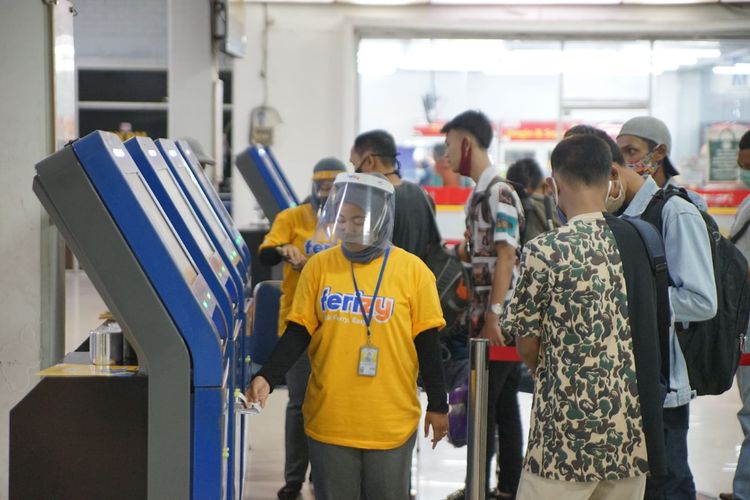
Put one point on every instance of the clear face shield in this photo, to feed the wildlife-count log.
(358, 212)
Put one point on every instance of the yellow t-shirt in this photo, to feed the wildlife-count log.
(292, 226)
(341, 407)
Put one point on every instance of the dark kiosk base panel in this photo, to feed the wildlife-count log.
(76, 438)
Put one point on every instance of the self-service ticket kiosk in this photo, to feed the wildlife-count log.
(212, 261)
(225, 236)
(215, 263)
(201, 205)
(150, 280)
(191, 159)
(266, 180)
(244, 362)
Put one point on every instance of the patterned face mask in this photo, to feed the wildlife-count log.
(645, 167)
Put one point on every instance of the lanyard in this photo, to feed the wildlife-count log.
(368, 317)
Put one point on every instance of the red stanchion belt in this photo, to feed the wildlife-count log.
(504, 354)
(510, 354)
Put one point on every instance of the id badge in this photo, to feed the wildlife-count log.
(368, 361)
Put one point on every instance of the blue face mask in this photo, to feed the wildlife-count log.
(560, 214)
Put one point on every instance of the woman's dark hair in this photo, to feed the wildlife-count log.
(525, 175)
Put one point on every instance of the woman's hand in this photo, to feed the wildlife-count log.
(258, 391)
(439, 424)
(293, 256)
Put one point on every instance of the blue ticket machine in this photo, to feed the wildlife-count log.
(162, 297)
(232, 249)
(244, 362)
(191, 160)
(213, 197)
(266, 180)
(212, 261)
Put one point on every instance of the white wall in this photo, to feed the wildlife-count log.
(192, 71)
(117, 34)
(25, 138)
(312, 73)
(394, 102)
(306, 58)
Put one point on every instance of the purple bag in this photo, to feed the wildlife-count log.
(458, 416)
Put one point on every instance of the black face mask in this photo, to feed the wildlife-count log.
(395, 171)
(358, 170)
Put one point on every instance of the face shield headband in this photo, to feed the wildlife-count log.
(359, 212)
(322, 183)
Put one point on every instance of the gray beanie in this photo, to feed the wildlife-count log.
(654, 130)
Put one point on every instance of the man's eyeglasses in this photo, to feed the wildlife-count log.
(358, 168)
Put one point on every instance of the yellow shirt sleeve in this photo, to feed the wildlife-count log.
(425, 303)
(305, 303)
(282, 230)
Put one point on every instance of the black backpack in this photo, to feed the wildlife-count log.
(451, 278)
(712, 348)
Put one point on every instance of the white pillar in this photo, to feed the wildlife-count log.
(192, 71)
(25, 137)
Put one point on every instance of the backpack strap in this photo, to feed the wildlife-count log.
(739, 234)
(655, 207)
(657, 258)
(483, 198)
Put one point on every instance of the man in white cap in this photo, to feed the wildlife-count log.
(645, 143)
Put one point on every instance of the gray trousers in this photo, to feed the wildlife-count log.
(343, 473)
(296, 455)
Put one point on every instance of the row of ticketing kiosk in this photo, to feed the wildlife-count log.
(164, 254)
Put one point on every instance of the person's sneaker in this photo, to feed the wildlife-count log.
(457, 495)
(290, 491)
(726, 496)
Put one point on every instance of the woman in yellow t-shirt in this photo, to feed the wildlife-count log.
(370, 313)
(290, 239)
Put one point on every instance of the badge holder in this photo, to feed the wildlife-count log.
(368, 353)
(368, 360)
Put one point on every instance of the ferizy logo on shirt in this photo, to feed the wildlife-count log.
(311, 248)
(345, 307)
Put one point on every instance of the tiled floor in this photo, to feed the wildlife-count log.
(713, 440)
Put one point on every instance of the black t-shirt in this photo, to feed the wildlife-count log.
(414, 226)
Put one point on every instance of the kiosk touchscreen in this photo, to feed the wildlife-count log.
(171, 197)
(266, 180)
(199, 202)
(107, 213)
(213, 197)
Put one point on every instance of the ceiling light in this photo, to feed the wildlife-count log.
(737, 69)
